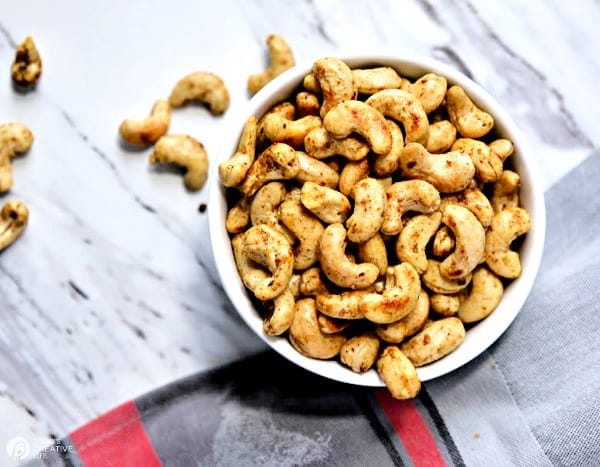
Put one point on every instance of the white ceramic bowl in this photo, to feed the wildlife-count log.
(480, 336)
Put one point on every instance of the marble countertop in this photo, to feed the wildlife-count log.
(112, 290)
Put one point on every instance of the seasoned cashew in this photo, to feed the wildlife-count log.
(15, 138)
(335, 81)
(502, 147)
(412, 323)
(398, 373)
(369, 205)
(506, 191)
(430, 89)
(488, 165)
(251, 273)
(371, 80)
(314, 170)
(306, 228)
(233, 171)
(307, 103)
(184, 151)
(405, 108)
(449, 172)
(433, 279)
(285, 109)
(407, 195)
(485, 295)
(270, 248)
(443, 242)
(336, 265)
(360, 352)
(435, 341)
(312, 283)
(353, 116)
(238, 217)
(280, 317)
(444, 304)
(507, 225)
(13, 220)
(147, 131)
(341, 306)
(414, 237)
(387, 164)
(469, 236)
(26, 68)
(280, 129)
(327, 204)
(204, 87)
(374, 251)
(320, 144)
(278, 162)
(399, 298)
(329, 325)
(306, 337)
(264, 207)
(469, 120)
(475, 201)
(281, 58)
(294, 285)
(351, 174)
(442, 135)
(311, 84)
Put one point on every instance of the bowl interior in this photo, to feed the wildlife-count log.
(481, 335)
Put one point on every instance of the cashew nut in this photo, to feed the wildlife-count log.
(430, 89)
(264, 207)
(311, 84)
(405, 108)
(233, 171)
(307, 103)
(278, 162)
(360, 352)
(147, 131)
(444, 304)
(507, 225)
(280, 129)
(374, 251)
(398, 373)
(184, 151)
(314, 170)
(502, 147)
(329, 325)
(204, 87)
(351, 174)
(250, 272)
(270, 248)
(327, 204)
(369, 205)
(486, 293)
(281, 58)
(371, 80)
(285, 109)
(15, 138)
(488, 165)
(443, 242)
(469, 120)
(13, 220)
(387, 164)
(312, 283)
(320, 144)
(438, 283)
(306, 228)
(506, 191)
(469, 236)
(279, 318)
(26, 68)
(407, 195)
(399, 298)
(412, 323)
(341, 306)
(336, 265)
(335, 81)
(414, 237)
(306, 337)
(449, 172)
(238, 217)
(442, 136)
(475, 201)
(353, 116)
(435, 341)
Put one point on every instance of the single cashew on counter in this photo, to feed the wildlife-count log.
(373, 216)
(27, 66)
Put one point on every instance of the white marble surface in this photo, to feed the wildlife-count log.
(112, 291)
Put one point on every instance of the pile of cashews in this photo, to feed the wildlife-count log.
(373, 216)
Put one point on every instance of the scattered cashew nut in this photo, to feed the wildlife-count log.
(13, 220)
(147, 131)
(398, 373)
(233, 171)
(15, 138)
(204, 87)
(281, 58)
(26, 69)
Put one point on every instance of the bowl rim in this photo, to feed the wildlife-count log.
(479, 337)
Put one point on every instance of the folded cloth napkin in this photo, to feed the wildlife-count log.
(532, 399)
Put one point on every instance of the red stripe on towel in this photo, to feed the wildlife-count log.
(411, 429)
(117, 438)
